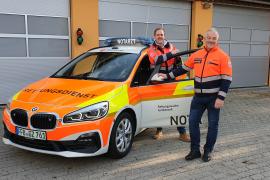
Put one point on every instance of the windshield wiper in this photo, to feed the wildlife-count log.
(86, 76)
(65, 77)
(94, 78)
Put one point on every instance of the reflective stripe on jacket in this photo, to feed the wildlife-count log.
(213, 72)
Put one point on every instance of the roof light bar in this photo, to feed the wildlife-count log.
(139, 41)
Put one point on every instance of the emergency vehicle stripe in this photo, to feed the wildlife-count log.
(213, 90)
(119, 100)
(184, 87)
(165, 97)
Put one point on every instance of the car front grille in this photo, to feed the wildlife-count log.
(43, 121)
(19, 117)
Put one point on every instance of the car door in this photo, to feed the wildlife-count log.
(166, 104)
(163, 104)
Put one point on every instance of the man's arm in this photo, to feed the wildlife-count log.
(176, 72)
(226, 77)
(186, 67)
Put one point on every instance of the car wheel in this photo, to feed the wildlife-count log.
(122, 136)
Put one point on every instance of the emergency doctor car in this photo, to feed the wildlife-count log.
(96, 104)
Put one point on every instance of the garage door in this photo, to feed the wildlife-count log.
(127, 18)
(34, 42)
(245, 35)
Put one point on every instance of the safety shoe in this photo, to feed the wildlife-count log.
(207, 156)
(184, 137)
(158, 135)
(193, 155)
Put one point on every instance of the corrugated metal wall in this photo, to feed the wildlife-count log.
(245, 35)
(34, 42)
(139, 18)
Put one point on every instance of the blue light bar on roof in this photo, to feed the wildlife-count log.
(139, 41)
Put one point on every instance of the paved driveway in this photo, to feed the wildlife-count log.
(242, 151)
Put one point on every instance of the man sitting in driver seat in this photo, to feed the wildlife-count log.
(161, 50)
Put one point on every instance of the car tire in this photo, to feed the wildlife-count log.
(121, 136)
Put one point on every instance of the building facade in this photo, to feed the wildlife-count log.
(37, 37)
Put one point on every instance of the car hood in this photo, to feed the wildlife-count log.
(65, 92)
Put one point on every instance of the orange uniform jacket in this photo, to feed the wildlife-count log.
(213, 72)
(158, 55)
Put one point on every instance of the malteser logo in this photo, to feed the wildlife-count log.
(60, 91)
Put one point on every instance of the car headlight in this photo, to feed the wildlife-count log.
(89, 113)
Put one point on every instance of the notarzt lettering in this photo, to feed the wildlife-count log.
(179, 120)
(126, 41)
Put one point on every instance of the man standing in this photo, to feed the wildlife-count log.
(213, 76)
(162, 50)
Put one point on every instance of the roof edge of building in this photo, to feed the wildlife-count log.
(259, 4)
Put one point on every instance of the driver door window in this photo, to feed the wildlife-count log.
(143, 73)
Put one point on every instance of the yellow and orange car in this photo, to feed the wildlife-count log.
(96, 104)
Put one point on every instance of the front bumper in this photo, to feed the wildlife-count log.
(64, 139)
(86, 146)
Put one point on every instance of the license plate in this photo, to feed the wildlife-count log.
(32, 134)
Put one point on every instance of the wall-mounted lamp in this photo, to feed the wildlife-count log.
(79, 36)
(206, 4)
(199, 41)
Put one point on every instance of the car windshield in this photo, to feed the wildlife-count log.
(103, 66)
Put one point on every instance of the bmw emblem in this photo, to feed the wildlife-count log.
(34, 109)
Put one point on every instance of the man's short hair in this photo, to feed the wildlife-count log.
(214, 30)
(157, 29)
